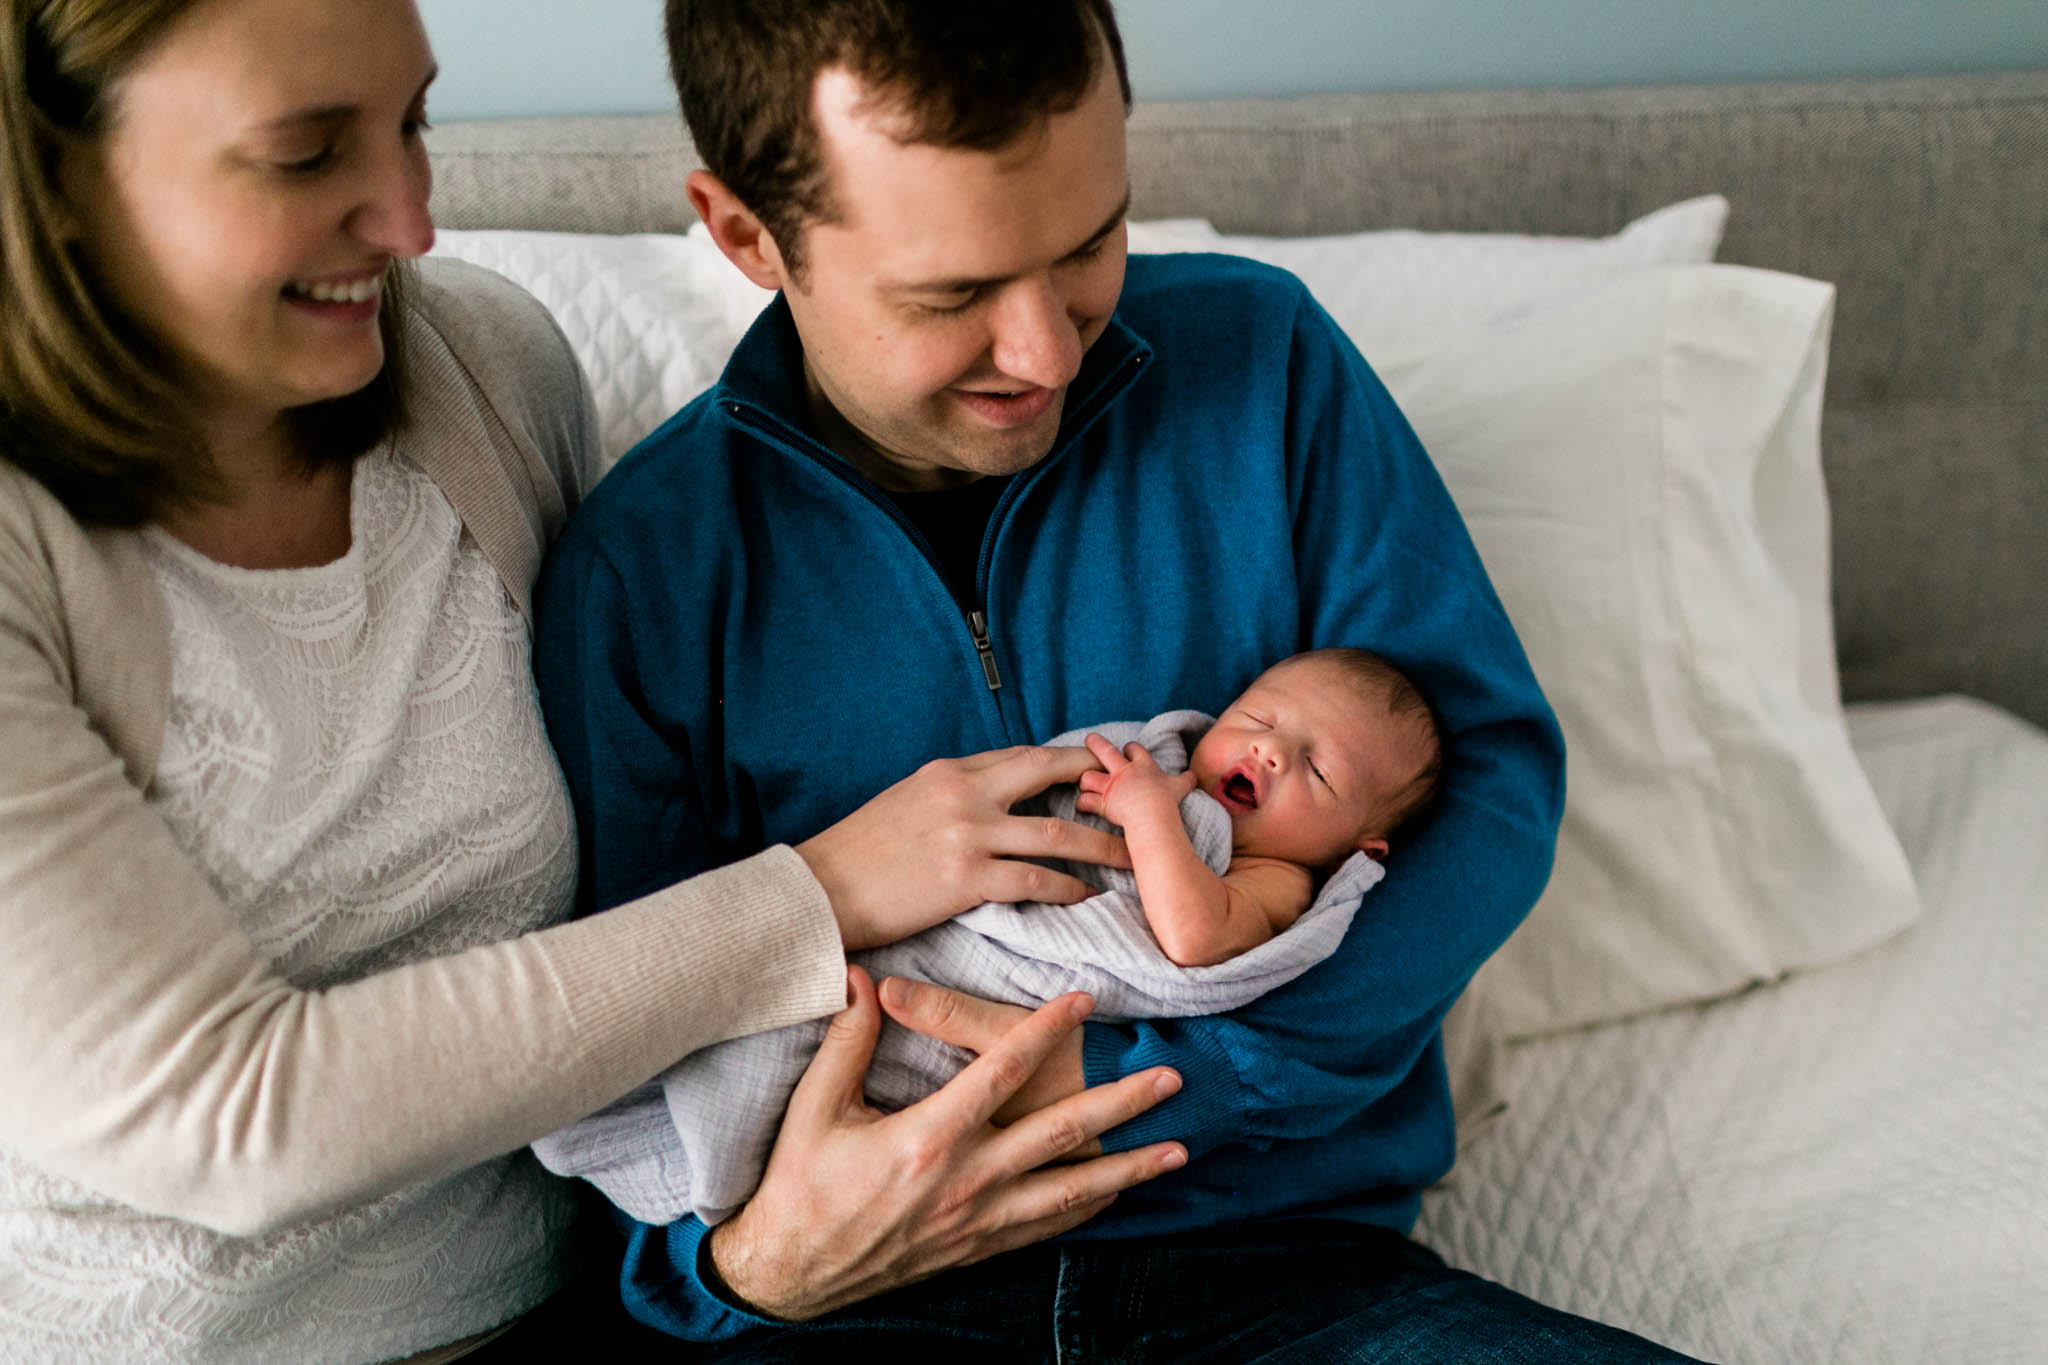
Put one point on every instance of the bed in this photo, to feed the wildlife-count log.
(1766, 1075)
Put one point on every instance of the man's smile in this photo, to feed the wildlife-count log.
(1006, 409)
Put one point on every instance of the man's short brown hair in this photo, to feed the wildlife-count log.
(972, 74)
(88, 402)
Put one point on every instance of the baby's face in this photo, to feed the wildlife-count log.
(1306, 766)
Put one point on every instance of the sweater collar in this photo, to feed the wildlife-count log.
(764, 379)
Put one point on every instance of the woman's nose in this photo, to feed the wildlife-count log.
(393, 215)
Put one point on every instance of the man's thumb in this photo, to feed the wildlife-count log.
(835, 1079)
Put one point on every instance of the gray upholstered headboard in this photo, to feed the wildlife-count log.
(1924, 200)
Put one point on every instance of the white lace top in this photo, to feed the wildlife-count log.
(355, 758)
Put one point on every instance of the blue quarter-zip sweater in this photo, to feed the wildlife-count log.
(741, 640)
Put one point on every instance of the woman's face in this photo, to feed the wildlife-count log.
(261, 170)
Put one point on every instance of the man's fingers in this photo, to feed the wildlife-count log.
(1105, 753)
(949, 1016)
(1066, 1196)
(833, 1081)
(1071, 1127)
(972, 1098)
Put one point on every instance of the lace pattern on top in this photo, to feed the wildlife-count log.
(355, 759)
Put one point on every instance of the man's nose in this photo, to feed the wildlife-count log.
(1036, 340)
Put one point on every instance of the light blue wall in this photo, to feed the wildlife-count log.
(508, 57)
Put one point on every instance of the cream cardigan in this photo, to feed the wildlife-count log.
(150, 1055)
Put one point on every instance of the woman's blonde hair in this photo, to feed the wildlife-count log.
(87, 403)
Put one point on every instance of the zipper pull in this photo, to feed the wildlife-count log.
(978, 623)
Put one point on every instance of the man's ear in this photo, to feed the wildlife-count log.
(1375, 849)
(738, 233)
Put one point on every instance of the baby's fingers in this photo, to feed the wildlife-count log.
(1105, 753)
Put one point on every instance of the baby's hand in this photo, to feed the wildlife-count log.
(1130, 785)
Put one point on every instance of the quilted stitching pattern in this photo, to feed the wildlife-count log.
(1843, 1168)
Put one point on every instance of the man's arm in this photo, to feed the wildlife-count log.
(1381, 559)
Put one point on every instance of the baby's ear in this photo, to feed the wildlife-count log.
(1375, 849)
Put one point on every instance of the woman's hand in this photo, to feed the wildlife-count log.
(943, 840)
(854, 1202)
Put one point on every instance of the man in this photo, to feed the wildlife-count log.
(969, 482)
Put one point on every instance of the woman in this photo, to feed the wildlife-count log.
(279, 831)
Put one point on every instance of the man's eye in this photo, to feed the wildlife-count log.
(949, 304)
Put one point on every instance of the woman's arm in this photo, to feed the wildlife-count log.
(153, 1056)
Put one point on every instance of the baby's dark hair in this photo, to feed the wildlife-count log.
(1382, 680)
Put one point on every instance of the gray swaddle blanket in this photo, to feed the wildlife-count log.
(696, 1138)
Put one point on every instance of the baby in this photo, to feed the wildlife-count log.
(1289, 801)
(1325, 754)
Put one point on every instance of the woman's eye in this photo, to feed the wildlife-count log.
(309, 165)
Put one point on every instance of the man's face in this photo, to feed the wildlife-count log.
(946, 312)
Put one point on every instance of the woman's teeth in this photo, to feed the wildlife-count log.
(353, 291)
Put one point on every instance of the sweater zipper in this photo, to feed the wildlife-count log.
(771, 429)
(977, 622)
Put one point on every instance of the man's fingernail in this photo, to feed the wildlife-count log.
(1168, 1083)
(1172, 1159)
(896, 992)
(1081, 1007)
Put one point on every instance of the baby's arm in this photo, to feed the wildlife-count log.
(1198, 917)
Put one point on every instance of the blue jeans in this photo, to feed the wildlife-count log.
(1326, 1293)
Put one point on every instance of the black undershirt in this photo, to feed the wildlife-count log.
(955, 520)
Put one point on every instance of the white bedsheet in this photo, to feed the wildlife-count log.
(1848, 1167)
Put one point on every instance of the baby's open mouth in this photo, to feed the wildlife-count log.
(1238, 789)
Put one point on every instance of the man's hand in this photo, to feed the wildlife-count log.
(854, 1202)
(1132, 787)
(943, 840)
(979, 1025)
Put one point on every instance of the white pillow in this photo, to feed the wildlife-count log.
(653, 316)
(1640, 469)
(1382, 287)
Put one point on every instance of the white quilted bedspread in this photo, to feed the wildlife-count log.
(1849, 1167)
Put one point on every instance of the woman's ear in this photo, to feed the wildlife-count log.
(71, 173)
(743, 238)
